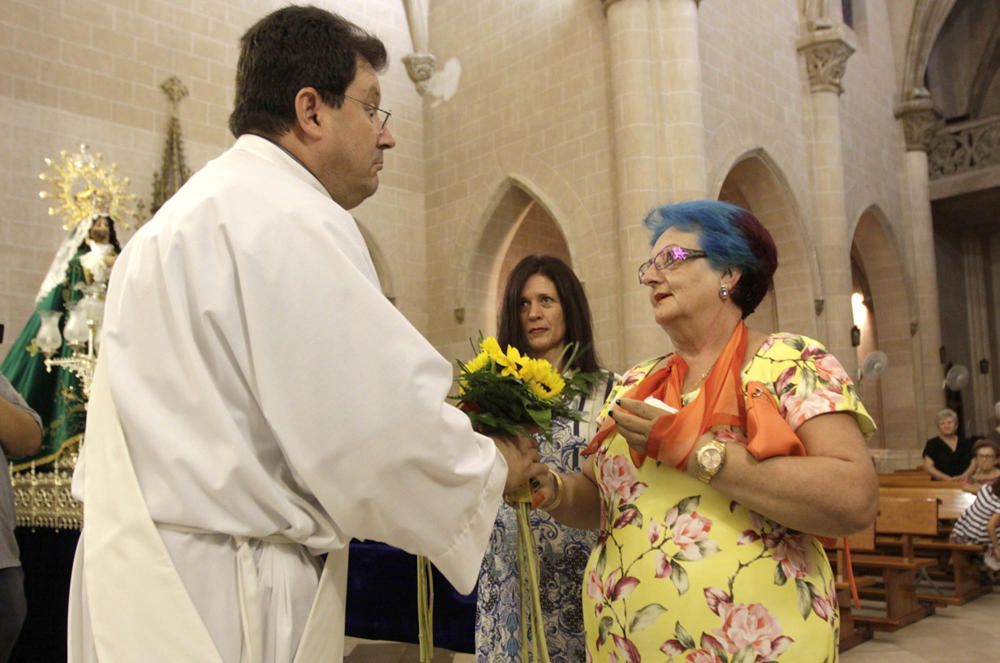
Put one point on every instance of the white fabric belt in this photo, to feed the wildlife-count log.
(123, 553)
(248, 583)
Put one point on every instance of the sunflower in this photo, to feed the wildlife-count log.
(478, 362)
(543, 380)
(491, 347)
(510, 361)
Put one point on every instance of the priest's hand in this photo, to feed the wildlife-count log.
(522, 461)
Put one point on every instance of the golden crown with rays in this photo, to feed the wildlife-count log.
(82, 188)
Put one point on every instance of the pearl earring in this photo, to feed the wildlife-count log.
(723, 292)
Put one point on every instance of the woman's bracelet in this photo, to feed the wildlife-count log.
(560, 489)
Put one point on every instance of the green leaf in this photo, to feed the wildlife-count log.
(795, 342)
(808, 383)
(645, 616)
(542, 418)
(745, 655)
(688, 504)
(684, 637)
(679, 577)
(804, 591)
(603, 628)
(602, 560)
(779, 575)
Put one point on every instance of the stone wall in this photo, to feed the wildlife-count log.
(88, 72)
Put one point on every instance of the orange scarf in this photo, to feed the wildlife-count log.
(719, 403)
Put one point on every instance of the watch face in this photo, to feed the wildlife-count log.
(710, 458)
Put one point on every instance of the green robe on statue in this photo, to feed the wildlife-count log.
(57, 396)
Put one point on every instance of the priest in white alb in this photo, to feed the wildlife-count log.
(258, 401)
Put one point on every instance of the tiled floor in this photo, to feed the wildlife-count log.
(953, 635)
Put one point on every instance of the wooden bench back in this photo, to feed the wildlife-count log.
(864, 540)
(925, 481)
(952, 501)
(907, 515)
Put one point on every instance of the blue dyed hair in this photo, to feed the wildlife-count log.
(731, 236)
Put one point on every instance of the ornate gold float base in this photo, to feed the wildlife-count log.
(42, 497)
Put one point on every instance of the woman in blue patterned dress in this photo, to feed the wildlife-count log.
(544, 309)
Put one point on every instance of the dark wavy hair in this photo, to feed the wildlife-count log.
(732, 237)
(576, 311)
(290, 49)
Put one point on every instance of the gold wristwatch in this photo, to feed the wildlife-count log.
(709, 460)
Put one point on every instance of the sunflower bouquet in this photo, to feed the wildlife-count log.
(506, 393)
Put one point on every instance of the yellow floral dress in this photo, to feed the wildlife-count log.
(682, 572)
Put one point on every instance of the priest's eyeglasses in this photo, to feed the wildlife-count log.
(669, 259)
(378, 116)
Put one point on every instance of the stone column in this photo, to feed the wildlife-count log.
(681, 90)
(659, 138)
(638, 182)
(919, 120)
(977, 306)
(419, 64)
(826, 52)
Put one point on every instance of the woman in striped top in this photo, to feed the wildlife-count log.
(980, 521)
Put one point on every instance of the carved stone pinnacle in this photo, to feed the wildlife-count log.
(175, 89)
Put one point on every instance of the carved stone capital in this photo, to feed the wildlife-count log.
(420, 67)
(826, 52)
(920, 119)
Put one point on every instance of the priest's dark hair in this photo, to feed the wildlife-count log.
(290, 49)
(575, 309)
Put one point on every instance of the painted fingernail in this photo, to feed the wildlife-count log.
(618, 401)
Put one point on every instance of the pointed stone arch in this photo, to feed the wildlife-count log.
(891, 397)
(589, 232)
(755, 182)
(500, 244)
(928, 18)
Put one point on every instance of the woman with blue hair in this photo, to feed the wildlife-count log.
(717, 466)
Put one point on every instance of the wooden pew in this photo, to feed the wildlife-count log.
(907, 481)
(958, 560)
(915, 471)
(952, 501)
(851, 632)
(906, 517)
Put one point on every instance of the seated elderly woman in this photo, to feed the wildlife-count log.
(708, 514)
(948, 455)
(984, 458)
